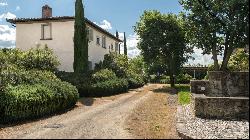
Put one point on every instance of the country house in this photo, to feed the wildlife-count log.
(58, 34)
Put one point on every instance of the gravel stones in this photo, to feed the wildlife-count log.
(189, 126)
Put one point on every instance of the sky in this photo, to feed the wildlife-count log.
(112, 15)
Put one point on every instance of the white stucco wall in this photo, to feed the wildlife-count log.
(29, 34)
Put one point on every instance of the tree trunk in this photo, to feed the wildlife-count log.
(172, 83)
(216, 63)
(227, 53)
(214, 53)
(171, 71)
(226, 58)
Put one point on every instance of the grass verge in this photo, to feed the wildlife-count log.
(184, 95)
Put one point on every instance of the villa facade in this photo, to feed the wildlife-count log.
(58, 33)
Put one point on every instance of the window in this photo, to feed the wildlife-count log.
(98, 40)
(46, 32)
(112, 47)
(90, 34)
(116, 47)
(104, 42)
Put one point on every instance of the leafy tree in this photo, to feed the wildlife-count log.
(118, 63)
(239, 61)
(162, 41)
(218, 27)
(80, 40)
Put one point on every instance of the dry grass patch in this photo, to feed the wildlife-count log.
(154, 118)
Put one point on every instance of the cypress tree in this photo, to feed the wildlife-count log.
(80, 40)
(117, 36)
(125, 45)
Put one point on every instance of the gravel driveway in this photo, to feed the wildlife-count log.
(102, 120)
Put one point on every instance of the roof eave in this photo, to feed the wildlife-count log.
(15, 21)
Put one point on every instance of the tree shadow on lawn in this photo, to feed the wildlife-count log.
(35, 119)
(83, 101)
(166, 89)
(173, 91)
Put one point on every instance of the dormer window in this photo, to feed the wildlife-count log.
(46, 31)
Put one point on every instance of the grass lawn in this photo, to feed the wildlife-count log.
(184, 95)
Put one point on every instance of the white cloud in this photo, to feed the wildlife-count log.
(3, 3)
(18, 8)
(7, 16)
(132, 41)
(7, 36)
(105, 25)
(199, 58)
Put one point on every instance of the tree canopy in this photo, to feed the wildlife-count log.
(218, 27)
(162, 41)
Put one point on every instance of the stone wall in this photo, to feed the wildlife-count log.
(200, 87)
(228, 108)
(233, 84)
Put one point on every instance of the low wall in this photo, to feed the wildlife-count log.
(229, 84)
(200, 87)
(228, 108)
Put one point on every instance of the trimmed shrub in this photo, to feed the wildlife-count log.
(28, 88)
(32, 101)
(41, 58)
(102, 83)
(76, 79)
(103, 75)
(12, 75)
(105, 88)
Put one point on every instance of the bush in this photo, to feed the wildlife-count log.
(12, 75)
(103, 75)
(41, 58)
(32, 101)
(28, 88)
(76, 79)
(165, 80)
(115, 62)
(135, 81)
(101, 83)
(183, 78)
(239, 61)
(105, 88)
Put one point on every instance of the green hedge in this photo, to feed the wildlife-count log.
(32, 101)
(41, 58)
(28, 86)
(98, 84)
(103, 75)
(106, 88)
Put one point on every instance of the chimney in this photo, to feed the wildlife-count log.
(46, 11)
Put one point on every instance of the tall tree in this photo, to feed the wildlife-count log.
(80, 40)
(125, 45)
(218, 27)
(117, 36)
(162, 41)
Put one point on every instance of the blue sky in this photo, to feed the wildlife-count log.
(112, 15)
